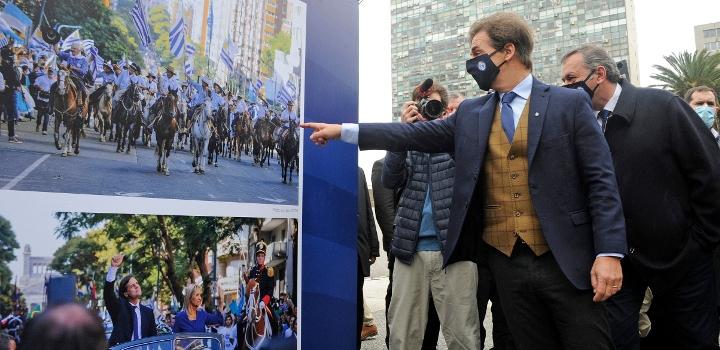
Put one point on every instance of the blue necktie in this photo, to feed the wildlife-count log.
(136, 329)
(508, 118)
(603, 116)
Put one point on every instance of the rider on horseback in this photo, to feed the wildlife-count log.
(108, 77)
(78, 66)
(168, 84)
(286, 117)
(262, 274)
(129, 75)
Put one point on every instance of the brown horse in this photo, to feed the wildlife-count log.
(258, 330)
(289, 145)
(243, 134)
(103, 111)
(262, 141)
(64, 106)
(165, 128)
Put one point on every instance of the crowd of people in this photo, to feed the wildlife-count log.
(587, 213)
(131, 319)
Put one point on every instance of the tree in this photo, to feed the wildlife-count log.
(99, 23)
(160, 23)
(8, 244)
(159, 248)
(281, 41)
(687, 70)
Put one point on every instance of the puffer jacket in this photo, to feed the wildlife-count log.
(415, 171)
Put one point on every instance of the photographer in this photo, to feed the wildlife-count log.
(420, 234)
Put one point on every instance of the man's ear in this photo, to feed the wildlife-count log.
(601, 73)
(509, 50)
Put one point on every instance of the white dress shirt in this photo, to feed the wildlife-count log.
(610, 105)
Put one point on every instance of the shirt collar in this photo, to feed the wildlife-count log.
(610, 105)
(523, 88)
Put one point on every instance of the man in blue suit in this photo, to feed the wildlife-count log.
(535, 192)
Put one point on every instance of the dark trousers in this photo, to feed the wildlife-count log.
(432, 329)
(502, 340)
(360, 308)
(543, 309)
(8, 101)
(43, 116)
(683, 316)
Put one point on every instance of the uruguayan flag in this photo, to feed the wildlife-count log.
(189, 49)
(177, 38)
(140, 20)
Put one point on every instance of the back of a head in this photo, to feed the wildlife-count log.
(64, 327)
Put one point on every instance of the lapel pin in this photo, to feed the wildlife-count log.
(537, 114)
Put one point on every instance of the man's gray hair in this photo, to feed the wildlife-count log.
(594, 56)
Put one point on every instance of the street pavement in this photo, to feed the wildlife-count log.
(36, 165)
(374, 290)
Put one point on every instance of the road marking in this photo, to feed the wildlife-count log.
(274, 200)
(25, 173)
(133, 194)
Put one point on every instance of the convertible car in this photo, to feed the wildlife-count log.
(180, 341)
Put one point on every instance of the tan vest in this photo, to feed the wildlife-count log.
(509, 213)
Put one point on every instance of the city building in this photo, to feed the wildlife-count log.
(707, 36)
(430, 38)
(36, 269)
(236, 255)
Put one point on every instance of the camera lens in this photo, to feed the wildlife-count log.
(432, 109)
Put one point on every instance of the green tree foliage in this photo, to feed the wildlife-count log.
(160, 23)
(686, 70)
(159, 250)
(281, 41)
(8, 244)
(99, 23)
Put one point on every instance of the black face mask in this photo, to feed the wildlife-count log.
(583, 85)
(483, 70)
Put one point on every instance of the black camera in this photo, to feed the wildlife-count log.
(430, 109)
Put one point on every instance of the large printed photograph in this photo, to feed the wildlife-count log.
(199, 282)
(172, 99)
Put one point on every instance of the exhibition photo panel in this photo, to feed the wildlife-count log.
(168, 99)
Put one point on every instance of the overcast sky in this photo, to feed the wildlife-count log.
(662, 27)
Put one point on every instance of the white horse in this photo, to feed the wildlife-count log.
(258, 329)
(200, 133)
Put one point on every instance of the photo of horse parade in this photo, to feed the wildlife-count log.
(176, 99)
(217, 283)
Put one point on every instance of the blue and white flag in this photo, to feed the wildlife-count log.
(99, 61)
(177, 38)
(258, 84)
(37, 42)
(16, 19)
(88, 45)
(74, 37)
(189, 49)
(227, 54)
(285, 95)
(291, 88)
(3, 39)
(189, 70)
(140, 19)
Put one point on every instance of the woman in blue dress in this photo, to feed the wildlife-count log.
(193, 318)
